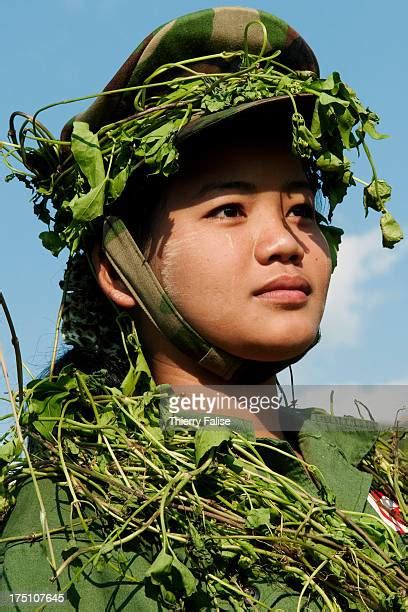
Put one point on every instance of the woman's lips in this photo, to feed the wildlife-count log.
(284, 296)
(285, 289)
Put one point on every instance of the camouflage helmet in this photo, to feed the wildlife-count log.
(203, 33)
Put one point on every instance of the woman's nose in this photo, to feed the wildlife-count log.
(276, 241)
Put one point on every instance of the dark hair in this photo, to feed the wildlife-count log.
(138, 203)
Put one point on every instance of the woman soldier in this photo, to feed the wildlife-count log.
(188, 190)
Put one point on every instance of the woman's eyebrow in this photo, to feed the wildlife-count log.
(247, 187)
(216, 187)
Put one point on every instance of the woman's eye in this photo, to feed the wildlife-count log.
(303, 210)
(227, 211)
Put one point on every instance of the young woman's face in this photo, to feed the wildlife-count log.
(237, 248)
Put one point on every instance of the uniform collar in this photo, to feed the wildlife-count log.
(335, 445)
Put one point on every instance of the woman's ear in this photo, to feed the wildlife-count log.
(109, 281)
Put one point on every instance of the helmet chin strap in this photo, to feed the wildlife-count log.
(134, 271)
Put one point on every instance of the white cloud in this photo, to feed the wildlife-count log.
(353, 290)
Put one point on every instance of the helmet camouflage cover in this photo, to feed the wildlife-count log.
(203, 33)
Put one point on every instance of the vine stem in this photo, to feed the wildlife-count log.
(370, 541)
(37, 535)
(154, 440)
(6, 144)
(234, 589)
(360, 181)
(76, 503)
(116, 462)
(43, 513)
(16, 344)
(264, 41)
(309, 581)
(96, 547)
(375, 177)
(112, 92)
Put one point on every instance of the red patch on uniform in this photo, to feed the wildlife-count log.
(388, 510)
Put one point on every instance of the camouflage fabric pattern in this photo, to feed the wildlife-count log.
(88, 322)
(196, 35)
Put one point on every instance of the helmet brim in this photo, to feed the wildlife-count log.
(279, 106)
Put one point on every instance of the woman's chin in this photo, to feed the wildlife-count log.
(276, 349)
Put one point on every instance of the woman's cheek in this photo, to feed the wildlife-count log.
(200, 271)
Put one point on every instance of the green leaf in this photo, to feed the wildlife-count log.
(142, 367)
(248, 548)
(257, 517)
(51, 407)
(335, 188)
(156, 432)
(72, 234)
(86, 151)
(302, 133)
(159, 150)
(102, 463)
(333, 237)
(332, 83)
(107, 418)
(326, 99)
(284, 83)
(43, 386)
(118, 183)
(107, 547)
(160, 567)
(346, 121)
(369, 126)
(52, 242)
(10, 450)
(315, 128)
(213, 105)
(232, 464)
(90, 205)
(196, 537)
(129, 383)
(371, 130)
(331, 163)
(376, 194)
(391, 230)
(169, 597)
(72, 447)
(187, 578)
(206, 439)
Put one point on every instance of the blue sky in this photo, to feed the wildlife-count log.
(57, 49)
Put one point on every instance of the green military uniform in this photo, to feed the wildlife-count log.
(335, 445)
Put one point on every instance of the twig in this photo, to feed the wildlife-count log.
(43, 513)
(16, 345)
